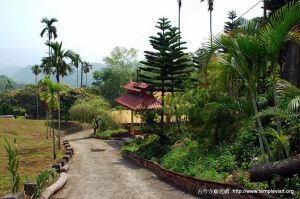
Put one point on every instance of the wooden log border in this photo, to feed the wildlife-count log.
(194, 185)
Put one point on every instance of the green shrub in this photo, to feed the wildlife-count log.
(108, 133)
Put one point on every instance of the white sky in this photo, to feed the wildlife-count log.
(94, 27)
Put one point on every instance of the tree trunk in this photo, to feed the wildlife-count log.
(86, 79)
(81, 76)
(53, 135)
(77, 76)
(37, 100)
(260, 127)
(210, 19)
(291, 71)
(162, 103)
(286, 168)
(59, 135)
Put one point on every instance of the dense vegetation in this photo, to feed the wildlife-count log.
(239, 111)
(232, 108)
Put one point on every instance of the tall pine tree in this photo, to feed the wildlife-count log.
(168, 66)
(232, 24)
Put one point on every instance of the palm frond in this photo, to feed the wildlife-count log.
(277, 112)
(283, 139)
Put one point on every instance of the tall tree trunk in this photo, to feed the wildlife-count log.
(260, 127)
(210, 19)
(37, 100)
(53, 135)
(81, 75)
(77, 76)
(59, 133)
(162, 103)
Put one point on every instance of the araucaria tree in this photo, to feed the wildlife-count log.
(168, 66)
(232, 24)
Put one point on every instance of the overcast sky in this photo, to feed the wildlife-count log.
(94, 27)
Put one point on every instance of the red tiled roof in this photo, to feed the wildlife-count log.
(137, 87)
(136, 102)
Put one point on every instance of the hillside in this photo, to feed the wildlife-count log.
(3, 83)
(23, 75)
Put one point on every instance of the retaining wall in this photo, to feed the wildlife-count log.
(200, 187)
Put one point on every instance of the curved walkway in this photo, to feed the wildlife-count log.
(105, 174)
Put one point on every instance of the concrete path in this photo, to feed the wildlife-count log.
(106, 174)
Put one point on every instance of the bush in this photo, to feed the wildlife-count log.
(108, 133)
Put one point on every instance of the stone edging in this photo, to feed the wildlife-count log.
(62, 167)
(195, 185)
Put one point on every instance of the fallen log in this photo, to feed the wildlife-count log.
(65, 168)
(286, 168)
(48, 192)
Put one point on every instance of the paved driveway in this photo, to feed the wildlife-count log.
(106, 174)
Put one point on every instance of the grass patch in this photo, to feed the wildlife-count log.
(34, 150)
(108, 133)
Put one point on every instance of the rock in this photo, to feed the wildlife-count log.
(70, 149)
(29, 188)
(69, 153)
(66, 158)
(62, 162)
(67, 145)
(19, 195)
(57, 167)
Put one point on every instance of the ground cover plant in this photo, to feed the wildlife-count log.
(108, 133)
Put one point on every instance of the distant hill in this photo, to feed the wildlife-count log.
(24, 75)
(3, 83)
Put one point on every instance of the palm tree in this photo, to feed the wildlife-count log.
(51, 98)
(36, 70)
(275, 33)
(210, 9)
(246, 58)
(81, 72)
(50, 29)
(86, 69)
(57, 60)
(76, 60)
(9, 84)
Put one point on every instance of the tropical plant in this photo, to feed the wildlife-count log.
(36, 71)
(50, 96)
(274, 34)
(9, 84)
(76, 60)
(41, 181)
(50, 29)
(62, 68)
(246, 58)
(86, 69)
(57, 59)
(289, 96)
(13, 164)
(210, 9)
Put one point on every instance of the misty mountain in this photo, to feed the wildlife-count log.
(24, 75)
